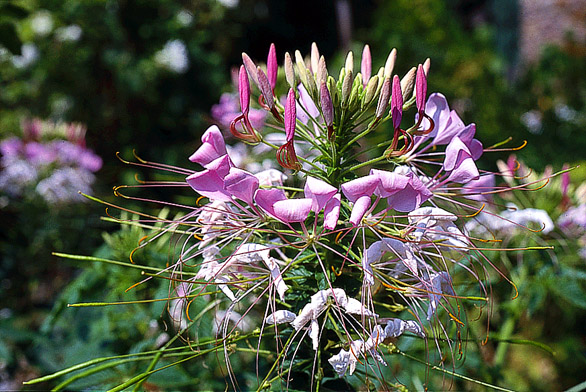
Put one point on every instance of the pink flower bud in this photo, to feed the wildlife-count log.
(272, 66)
(420, 89)
(244, 90)
(265, 88)
(397, 103)
(366, 65)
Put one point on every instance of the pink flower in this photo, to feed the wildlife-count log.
(275, 203)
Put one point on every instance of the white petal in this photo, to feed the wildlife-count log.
(280, 317)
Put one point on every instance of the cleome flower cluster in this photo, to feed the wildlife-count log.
(50, 160)
(352, 233)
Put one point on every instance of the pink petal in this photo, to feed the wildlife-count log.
(266, 198)
(332, 212)
(390, 182)
(360, 207)
(452, 127)
(459, 162)
(410, 198)
(212, 147)
(209, 184)
(320, 192)
(220, 165)
(241, 184)
(292, 210)
(437, 108)
(363, 186)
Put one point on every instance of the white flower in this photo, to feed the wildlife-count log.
(173, 56)
(42, 23)
(29, 55)
(436, 224)
(375, 252)
(68, 33)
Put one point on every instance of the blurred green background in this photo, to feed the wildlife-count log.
(143, 75)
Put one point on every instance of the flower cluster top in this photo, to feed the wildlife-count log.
(368, 200)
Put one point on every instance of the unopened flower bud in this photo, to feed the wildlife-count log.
(314, 58)
(326, 104)
(265, 88)
(397, 103)
(349, 62)
(426, 66)
(244, 90)
(290, 71)
(272, 66)
(420, 89)
(322, 71)
(366, 64)
(390, 64)
(356, 87)
(311, 87)
(250, 68)
(347, 86)
(407, 83)
(371, 88)
(383, 99)
(301, 69)
(327, 108)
